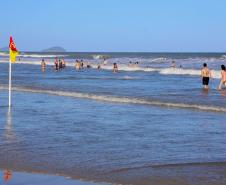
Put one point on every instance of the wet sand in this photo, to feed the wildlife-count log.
(19, 178)
(182, 174)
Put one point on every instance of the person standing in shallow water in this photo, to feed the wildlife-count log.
(43, 65)
(223, 77)
(56, 66)
(115, 67)
(205, 74)
(173, 64)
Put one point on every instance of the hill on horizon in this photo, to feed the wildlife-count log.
(54, 49)
(4, 49)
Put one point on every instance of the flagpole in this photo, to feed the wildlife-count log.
(10, 82)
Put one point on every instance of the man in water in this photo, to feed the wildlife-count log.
(205, 74)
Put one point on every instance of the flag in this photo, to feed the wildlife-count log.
(12, 50)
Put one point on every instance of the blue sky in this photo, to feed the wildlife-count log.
(115, 25)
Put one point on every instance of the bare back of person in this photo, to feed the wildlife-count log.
(206, 72)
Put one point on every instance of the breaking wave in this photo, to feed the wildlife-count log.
(33, 55)
(123, 67)
(122, 100)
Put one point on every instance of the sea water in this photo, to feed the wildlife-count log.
(148, 123)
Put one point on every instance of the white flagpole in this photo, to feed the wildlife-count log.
(10, 82)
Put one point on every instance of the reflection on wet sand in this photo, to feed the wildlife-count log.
(9, 134)
(7, 175)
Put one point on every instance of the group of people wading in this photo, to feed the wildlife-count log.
(206, 75)
(79, 64)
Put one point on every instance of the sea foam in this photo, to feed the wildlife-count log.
(117, 99)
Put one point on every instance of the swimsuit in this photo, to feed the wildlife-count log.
(223, 73)
(205, 80)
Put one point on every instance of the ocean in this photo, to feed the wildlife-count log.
(149, 123)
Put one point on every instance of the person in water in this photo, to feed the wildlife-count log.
(63, 63)
(105, 62)
(173, 64)
(99, 66)
(205, 74)
(60, 64)
(56, 64)
(223, 77)
(77, 65)
(43, 65)
(115, 67)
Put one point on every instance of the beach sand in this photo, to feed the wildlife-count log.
(22, 178)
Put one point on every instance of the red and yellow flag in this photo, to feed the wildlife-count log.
(12, 50)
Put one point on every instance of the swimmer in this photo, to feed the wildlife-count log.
(99, 67)
(43, 65)
(56, 64)
(173, 64)
(223, 77)
(105, 62)
(115, 67)
(77, 65)
(60, 64)
(63, 63)
(205, 74)
(88, 65)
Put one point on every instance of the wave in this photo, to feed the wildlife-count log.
(163, 71)
(4, 54)
(34, 55)
(122, 100)
(192, 72)
(97, 57)
(39, 56)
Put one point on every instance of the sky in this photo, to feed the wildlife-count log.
(115, 25)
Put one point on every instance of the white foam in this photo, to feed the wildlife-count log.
(40, 56)
(123, 67)
(192, 72)
(33, 55)
(3, 54)
(124, 100)
(97, 57)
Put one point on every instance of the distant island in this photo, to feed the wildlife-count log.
(5, 49)
(54, 49)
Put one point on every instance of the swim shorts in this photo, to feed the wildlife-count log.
(205, 80)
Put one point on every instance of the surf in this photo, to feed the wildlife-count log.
(119, 99)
